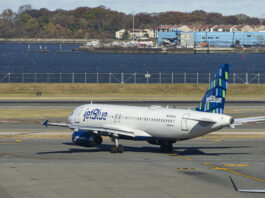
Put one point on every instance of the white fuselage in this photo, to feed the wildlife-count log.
(158, 122)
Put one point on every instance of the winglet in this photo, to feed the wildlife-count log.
(46, 125)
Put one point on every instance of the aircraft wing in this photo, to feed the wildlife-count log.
(108, 130)
(114, 130)
(60, 124)
(249, 120)
(246, 190)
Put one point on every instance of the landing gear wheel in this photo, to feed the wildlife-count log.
(120, 148)
(166, 148)
(162, 148)
(169, 148)
(114, 149)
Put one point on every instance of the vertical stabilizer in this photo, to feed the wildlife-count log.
(214, 98)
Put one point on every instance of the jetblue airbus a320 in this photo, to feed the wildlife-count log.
(156, 125)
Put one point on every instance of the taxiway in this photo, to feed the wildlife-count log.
(197, 168)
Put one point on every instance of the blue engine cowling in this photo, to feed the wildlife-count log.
(83, 138)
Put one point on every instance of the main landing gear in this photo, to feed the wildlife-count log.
(166, 147)
(116, 148)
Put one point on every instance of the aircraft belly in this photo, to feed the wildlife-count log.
(161, 131)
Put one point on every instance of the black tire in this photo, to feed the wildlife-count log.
(162, 148)
(114, 149)
(166, 148)
(169, 148)
(120, 149)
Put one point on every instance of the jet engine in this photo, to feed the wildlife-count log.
(87, 139)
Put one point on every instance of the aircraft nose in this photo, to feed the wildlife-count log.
(70, 119)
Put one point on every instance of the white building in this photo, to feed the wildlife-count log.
(136, 33)
(186, 39)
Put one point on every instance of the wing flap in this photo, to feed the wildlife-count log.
(105, 130)
(116, 130)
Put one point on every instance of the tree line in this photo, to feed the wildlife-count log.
(100, 22)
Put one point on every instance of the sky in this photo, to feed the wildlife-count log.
(254, 8)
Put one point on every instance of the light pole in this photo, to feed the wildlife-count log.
(133, 27)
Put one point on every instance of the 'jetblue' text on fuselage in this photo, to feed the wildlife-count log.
(95, 114)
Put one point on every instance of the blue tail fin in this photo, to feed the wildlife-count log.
(214, 98)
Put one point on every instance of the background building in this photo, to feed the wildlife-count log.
(211, 35)
(136, 34)
(204, 35)
(186, 39)
(228, 39)
(168, 38)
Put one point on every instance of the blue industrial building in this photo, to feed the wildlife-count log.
(227, 39)
(218, 39)
(167, 36)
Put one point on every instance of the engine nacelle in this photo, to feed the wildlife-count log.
(83, 138)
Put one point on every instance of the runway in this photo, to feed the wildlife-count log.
(197, 168)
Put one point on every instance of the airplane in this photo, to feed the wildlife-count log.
(157, 125)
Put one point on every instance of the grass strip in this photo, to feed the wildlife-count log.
(46, 91)
(34, 113)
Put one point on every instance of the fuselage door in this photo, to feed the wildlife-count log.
(77, 114)
(184, 122)
(117, 118)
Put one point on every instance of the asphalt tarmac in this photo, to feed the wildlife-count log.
(197, 168)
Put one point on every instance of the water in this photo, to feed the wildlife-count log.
(14, 58)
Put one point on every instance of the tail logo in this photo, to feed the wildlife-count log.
(214, 99)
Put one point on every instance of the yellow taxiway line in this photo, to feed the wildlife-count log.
(235, 165)
(234, 172)
(181, 156)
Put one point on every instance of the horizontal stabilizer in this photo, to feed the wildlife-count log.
(246, 190)
(249, 120)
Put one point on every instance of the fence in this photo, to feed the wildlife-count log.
(154, 78)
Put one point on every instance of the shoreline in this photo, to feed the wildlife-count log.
(159, 50)
(188, 51)
(48, 40)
